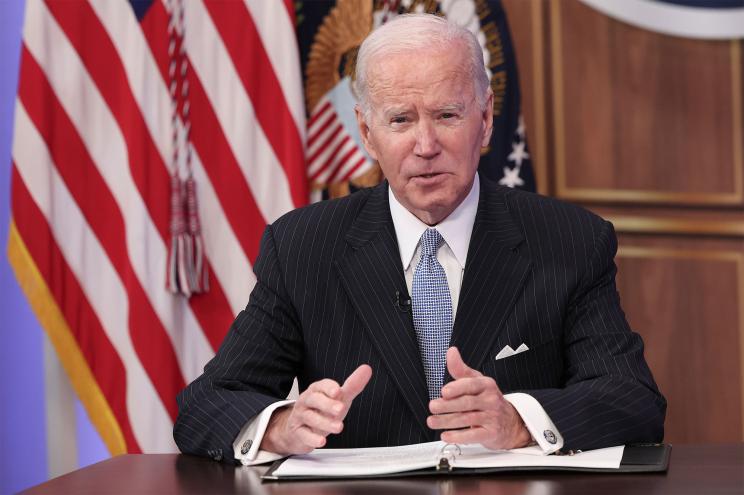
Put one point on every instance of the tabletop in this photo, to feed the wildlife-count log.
(693, 469)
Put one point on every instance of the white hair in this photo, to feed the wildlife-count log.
(412, 32)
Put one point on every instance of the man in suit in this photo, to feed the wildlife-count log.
(436, 305)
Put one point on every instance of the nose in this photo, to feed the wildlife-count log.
(427, 142)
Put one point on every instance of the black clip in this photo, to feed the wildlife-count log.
(447, 456)
(402, 301)
(444, 465)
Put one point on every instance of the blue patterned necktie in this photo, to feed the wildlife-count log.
(432, 311)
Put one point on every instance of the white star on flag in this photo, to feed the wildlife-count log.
(520, 128)
(519, 153)
(511, 177)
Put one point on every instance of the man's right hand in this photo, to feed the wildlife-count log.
(319, 411)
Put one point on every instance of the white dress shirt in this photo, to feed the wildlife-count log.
(456, 231)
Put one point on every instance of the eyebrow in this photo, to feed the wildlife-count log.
(452, 107)
(402, 110)
(393, 111)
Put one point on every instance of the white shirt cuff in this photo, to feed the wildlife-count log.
(246, 445)
(537, 421)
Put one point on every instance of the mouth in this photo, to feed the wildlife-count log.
(427, 176)
(432, 179)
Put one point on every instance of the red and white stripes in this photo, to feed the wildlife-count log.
(333, 155)
(93, 153)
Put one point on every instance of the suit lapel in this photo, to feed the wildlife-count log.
(495, 273)
(372, 273)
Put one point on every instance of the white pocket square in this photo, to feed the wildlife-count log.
(508, 351)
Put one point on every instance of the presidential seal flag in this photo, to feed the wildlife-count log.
(153, 141)
(330, 33)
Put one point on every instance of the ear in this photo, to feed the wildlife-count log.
(487, 120)
(364, 133)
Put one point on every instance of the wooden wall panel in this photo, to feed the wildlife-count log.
(631, 106)
(646, 130)
(669, 295)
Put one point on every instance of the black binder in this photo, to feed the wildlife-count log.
(637, 458)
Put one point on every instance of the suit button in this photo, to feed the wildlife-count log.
(246, 447)
(550, 436)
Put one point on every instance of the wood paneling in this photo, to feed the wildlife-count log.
(643, 219)
(646, 130)
(631, 106)
(669, 295)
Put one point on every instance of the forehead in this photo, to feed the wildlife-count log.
(435, 76)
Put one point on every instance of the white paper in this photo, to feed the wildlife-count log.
(388, 460)
(366, 461)
(476, 456)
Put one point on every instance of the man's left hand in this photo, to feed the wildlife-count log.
(473, 410)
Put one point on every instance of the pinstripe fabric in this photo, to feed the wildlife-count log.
(538, 271)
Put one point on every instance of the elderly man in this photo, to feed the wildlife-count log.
(436, 305)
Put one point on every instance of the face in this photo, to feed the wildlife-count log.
(426, 129)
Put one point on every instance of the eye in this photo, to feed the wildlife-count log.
(399, 119)
(448, 115)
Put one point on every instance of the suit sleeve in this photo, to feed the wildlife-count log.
(609, 396)
(254, 367)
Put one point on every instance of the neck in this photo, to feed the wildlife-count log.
(432, 218)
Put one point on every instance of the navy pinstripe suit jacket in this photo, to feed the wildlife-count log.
(539, 272)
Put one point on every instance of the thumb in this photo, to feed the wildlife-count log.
(457, 367)
(356, 382)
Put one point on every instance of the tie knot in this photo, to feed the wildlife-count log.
(431, 239)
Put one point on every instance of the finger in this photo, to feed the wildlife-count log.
(469, 386)
(308, 440)
(457, 367)
(356, 382)
(462, 403)
(455, 420)
(319, 423)
(467, 435)
(327, 386)
(324, 404)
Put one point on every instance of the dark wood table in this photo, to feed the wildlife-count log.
(694, 469)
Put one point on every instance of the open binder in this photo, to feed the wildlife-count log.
(438, 458)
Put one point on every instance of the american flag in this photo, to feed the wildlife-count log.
(96, 142)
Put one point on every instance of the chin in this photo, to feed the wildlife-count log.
(435, 208)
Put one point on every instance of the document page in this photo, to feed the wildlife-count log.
(357, 462)
(476, 456)
(388, 460)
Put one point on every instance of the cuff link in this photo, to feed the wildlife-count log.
(246, 447)
(215, 454)
(550, 437)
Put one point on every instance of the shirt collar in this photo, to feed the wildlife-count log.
(456, 229)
